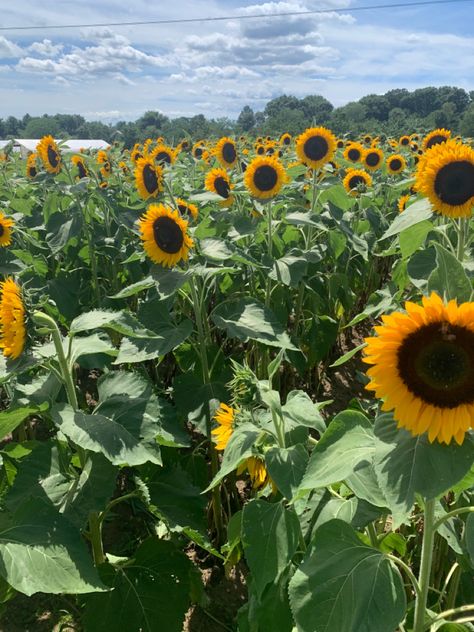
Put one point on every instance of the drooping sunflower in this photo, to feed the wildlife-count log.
(264, 177)
(162, 154)
(354, 152)
(259, 476)
(6, 225)
(402, 203)
(82, 170)
(436, 137)
(354, 179)
(225, 418)
(164, 234)
(49, 153)
(187, 210)
(316, 146)
(148, 178)
(373, 158)
(423, 367)
(12, 319)
(103, 160)
(445, 176)
(217, 181)
(31, 168)
(396, 164)
(285, 139)
(404, 141)
(226, 152)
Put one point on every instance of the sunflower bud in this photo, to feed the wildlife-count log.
(244, 385)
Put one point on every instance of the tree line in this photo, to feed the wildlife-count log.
(394, 113)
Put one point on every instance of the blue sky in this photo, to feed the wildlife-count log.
(114, 73)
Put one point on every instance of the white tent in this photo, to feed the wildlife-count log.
(27, 145)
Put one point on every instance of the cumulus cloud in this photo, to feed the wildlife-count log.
(46, 48)
(8, 49)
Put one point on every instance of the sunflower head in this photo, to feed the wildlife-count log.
(82, 171)
(244, 385)
(135, 155)
(217, 181)
(12, 319)
(285, 139)
(198, 149)
(164, 234)
(257, 471)
(226, 152)
(354, 152)
(402, 203)
(264, 177)
(124, 167)
(396, 163)
(225, 418)
(148, 178)
(316, 146)
(436, 137)
(404, 141)
(423, 367)
(49, 153)
(164, 155)
(355, 180)
(31, 168)
(445, 175)
(186, 209)
(373, 158)
(6, 225)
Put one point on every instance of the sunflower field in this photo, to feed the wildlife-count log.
(238, 384)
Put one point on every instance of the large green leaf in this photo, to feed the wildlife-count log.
(300, 408)
(270, 536)
(11, 418)
(41, 551)
(120, 445)
(121, 321)
(411, 239)
(168, 281)
(163, 339)
(151, 592)
(407, 464)
(413, 214)
(449, 278)
(345, 444)
(246, 319)
(345, 585)
(286, 467)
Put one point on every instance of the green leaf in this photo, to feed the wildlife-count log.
(407, 464)
(347, 356)
(122, 322)
(11, 418)
(246, 319)
(411, 239)
(469, 537)
(135, 288)
(413, 214)
(168, 281)
(342, 447)
(40, 551)
(421, 265)
(286, 467)
(289, 269)
(270, 537)
(163, 339)
(449, 278)
(120, 445)
(61, 229)
(151, 592)
(194, 399)
(345, 585)
(300, 408)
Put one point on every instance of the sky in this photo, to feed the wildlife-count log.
(113, 73)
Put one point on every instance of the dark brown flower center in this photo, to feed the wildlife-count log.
(2, 230)
(286, 140)
(149, 179)
(353, 154)
(405, 141)
(32, 172)
(355, 181)
(260, 150)
(340, 144)
(395, 164)
(316, 148)
(265, 178)
(53, 157)
(163, 156)
(436, 140)
(168, 235)
(222, 187)
(198, 152)
(82, 170)
(436, 364)
(372, 159)
(454, 183)
(228, 153)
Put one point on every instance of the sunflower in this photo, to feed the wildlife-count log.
(356, 178)
(264, 177)
(372, 158)
(354, 152)
(225, 418)
(12, 319)
(257, 472)
(49, 154)
(285, 139)
(148, 178)
(31, 168)
(78, 162)
(316, 146)
(217, 181)
(198, 149)
(226, 152)
(124, 167)
(424, 367)
(162, 154)
(404, 141)
(5, 230)
(135, 155)
(396, 163)
(260, 149)
(402, 203)
(164, 235)
(103, 159)
(436, 137)
(187, 210)
(340, 143)
(367, 139)
(445, 176)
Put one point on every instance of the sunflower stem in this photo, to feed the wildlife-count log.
(95, 534)
(268, 290)
(461, 239)
(408, 571)
(425, 565)
(452, 514)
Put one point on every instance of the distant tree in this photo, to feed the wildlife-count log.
(40, 126)
(259, 119)
(13, 127)
(152, 119)
(376, 106)
(316, 109)
(246, 119)
(286, 120)
(285, 102)
(467, 122)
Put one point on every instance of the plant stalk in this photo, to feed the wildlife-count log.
(425, 566)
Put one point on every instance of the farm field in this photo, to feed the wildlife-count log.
(238, 385)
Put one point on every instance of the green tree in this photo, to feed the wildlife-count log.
(40, 126)
(246, 119)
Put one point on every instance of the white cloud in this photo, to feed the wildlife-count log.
(45, 48)
(9, 49)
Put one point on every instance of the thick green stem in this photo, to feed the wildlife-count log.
(408, 571)
(452, 514)
(268, 289)
(95, 534)
(425, 566)
(461, 238)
